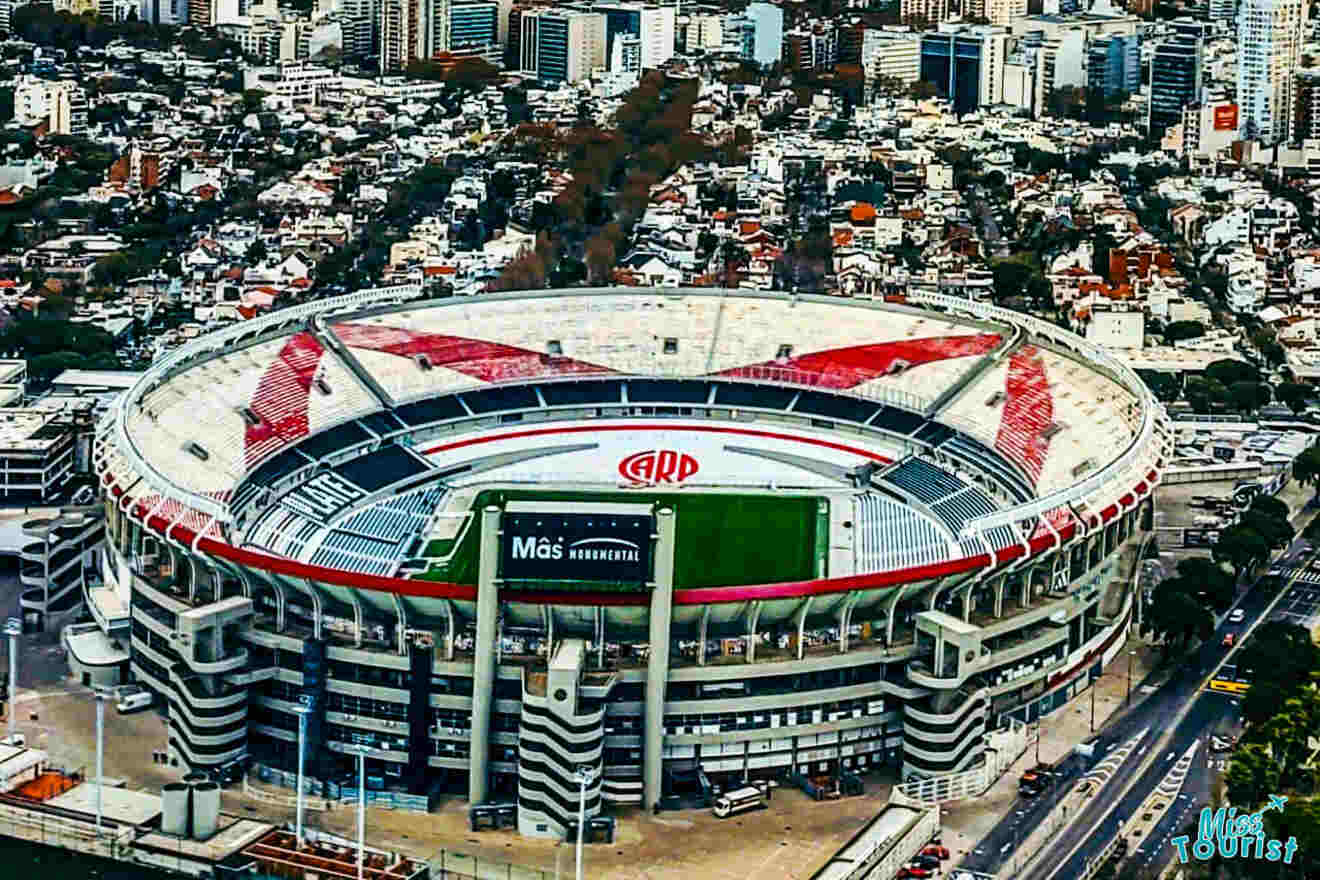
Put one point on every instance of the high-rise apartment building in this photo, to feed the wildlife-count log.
(561, 45)
(68, 108)
(1269, 53)
(1113, 65)
(891, 54)
(412, 30)
(924, 13)
(653, 26)
(1175, 81)
(762, 33)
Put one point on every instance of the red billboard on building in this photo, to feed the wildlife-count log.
(1226, 117)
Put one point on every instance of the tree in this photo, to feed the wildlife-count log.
(1270, 506)
(1282, 652)
(1294, 395)
(1180, 330)
(1011, 279)
(1200, 574)
(252, 99)
(256, 252)
(1164, 386)
(1277, 533)
(1176, 617)
(1252, 776)
(1204, 394)
(1248, 396)
(1227, 371)
(600, 257)
(1306, 467)
(1241, 547)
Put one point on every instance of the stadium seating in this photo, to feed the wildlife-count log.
(923, 480)
(1028, 412)
(891, 535)
(322, 496)
(374, 540)
(383, 467)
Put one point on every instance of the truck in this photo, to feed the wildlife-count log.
(738, 801)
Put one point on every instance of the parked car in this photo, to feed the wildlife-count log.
(1230, 639)
(1236, 615)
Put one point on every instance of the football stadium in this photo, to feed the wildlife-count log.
(685, 539)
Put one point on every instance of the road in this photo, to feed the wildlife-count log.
(1157, 710)
(1208, 711)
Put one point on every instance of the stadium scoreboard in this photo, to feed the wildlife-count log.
(564, 542)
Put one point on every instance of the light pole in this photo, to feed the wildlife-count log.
(13, 629)
(362, 809)
(101, 696)
(583, 777)
(302, 752)
(1128, 699)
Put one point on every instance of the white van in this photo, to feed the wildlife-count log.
(133, 699)
(739, 801)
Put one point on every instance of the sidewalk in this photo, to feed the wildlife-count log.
(967, 822)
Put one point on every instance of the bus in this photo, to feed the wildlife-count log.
(739, 801)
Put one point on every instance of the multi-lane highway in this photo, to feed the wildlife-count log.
(1180, 704)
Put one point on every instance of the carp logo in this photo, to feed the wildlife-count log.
(658, 466)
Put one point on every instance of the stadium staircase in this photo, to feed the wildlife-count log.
(334, 344)
(967, 379)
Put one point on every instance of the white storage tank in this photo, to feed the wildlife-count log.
(206, 810)
(174, 800)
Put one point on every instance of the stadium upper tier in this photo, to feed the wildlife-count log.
(205, 447)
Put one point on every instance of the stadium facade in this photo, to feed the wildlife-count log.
(682, 538)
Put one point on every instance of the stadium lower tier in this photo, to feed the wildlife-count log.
(658, 712)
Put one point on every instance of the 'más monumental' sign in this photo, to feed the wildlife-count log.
(576, 547)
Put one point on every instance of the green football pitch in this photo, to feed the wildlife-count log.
(722, 539)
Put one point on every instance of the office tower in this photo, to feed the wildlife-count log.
(762, 33)
(474, 27)
(561, 45)
(1269, 52)
(1175, 81)
(965, 63)
(892, 55)
(1113, 65)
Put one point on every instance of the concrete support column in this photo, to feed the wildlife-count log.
(889, 616)
(1000, 583)
(967, 600)
(753, 617)
(192, 579)
(401, 628)
(1026, 586)
(357, 620)
(657, 665)
(483, 666)
(938, 663)
(600, 641)
(317, 616)
(701, 635)
(802, 625)
(845, 620)
(281, 605)
(449, 630)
